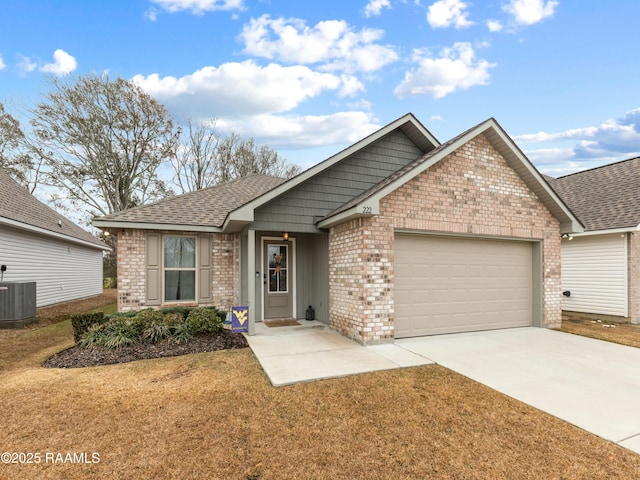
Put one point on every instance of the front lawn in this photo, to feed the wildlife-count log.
(215, 415)
(624, 333)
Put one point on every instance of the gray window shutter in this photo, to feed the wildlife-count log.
(204, 270)
(154, 269)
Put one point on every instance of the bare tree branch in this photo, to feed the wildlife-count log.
(207, 158)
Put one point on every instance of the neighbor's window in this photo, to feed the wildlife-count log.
(179, 268)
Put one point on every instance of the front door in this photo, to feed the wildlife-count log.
(278, 279)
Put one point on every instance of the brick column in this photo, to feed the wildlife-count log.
(131, 270)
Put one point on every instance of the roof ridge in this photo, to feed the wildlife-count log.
(598, 167)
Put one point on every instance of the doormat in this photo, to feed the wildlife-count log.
(281, 323)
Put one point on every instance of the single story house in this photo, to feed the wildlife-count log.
(601, 267)
(397, 235)
(37, 244)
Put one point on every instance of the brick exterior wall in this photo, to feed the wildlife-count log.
(132, 269)
(226, 269)
(634, 277)
(472, 191)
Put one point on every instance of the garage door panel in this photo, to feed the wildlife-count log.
(457, 284)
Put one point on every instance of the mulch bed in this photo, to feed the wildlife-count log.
(77, 357)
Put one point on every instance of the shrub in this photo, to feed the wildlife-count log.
(122, 315)
(181, 333)
(203, 320)
(81, 322)
(156, 331)
(93, 336)
(173, 319)
(120, 333)
(183, 311)
(127, 328)
(149, 315)
(109, 282)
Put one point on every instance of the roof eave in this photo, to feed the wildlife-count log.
(607, 231)
(361, 210)
(108, 224)
(49, 233)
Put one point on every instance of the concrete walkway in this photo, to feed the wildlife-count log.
(592, 384)
(312, 352)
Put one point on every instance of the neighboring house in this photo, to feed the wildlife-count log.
(39, 245)
(395, 236)
(601, 267)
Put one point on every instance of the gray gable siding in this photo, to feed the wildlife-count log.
(298, 209)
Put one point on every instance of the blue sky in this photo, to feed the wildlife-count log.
(309, 78)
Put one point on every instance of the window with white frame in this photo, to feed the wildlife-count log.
(179, 268)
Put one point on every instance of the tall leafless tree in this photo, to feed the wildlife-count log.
(16, 152)
(103, 141)
(206, 157)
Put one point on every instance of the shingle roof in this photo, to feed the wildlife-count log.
(18, 205)
(606, 197)
(206, 207)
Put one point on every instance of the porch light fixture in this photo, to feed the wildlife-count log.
(566, 235)
(285, 236)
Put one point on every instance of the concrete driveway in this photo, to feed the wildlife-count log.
(592, 384)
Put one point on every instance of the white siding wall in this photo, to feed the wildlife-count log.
(62, 271)
(594, 269)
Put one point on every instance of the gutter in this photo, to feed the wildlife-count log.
(49, 233)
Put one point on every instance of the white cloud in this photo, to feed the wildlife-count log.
(374, 7)
(25, 65)
(332, 44)
(303, 131)
(63, 64)
(199, 7)
(151, 14)
(494, 25)
(572, 134)
(2, 64)
(455, 69)
(586, 147)
(528, 12)
(242, 88)
(445, 13)
(350, 86)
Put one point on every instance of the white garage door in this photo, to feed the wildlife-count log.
(594, 270)
(458, 284)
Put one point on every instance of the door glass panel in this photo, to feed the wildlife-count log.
(278, 268)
